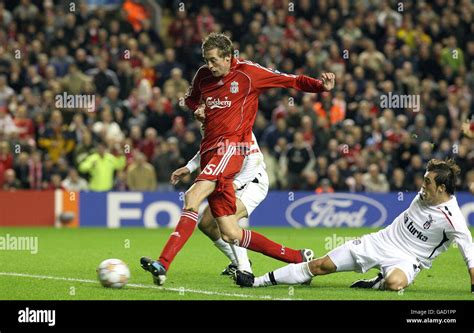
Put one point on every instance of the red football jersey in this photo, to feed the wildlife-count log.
(232, 100)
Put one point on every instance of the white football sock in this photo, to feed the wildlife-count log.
(227, 250)
(242, 258)
(290, 274)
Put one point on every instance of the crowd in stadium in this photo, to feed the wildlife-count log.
(139, 66)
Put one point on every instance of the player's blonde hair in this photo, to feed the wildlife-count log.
(446, 173)
(218, 41)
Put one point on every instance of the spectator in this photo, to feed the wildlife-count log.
(103, 77)
(57, 140)
(141, 175)
(61, 61)
(120, 182)
(452, 56)
(336, 180)
(166, 160)
(397, 182)
(356, 182)
(73, 182)
(273, 133)
(325, 187)
(6, 157)
(7, 125)
(22, 170)
(75, 81)
(10, 182)
(55, 183)
(101, 167)
(176, 83)
(107, 129)
(24, 125)
(297, 159)
(164, 69)
(374, 181)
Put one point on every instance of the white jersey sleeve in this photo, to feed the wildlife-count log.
(461, 234)
(193, 164)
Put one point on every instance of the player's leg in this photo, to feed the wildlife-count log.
(290, 274)
(250, 197)
(395, 275)
(187, 222)
(238, 256)
(183, 230)
(206, 183)
(252, 240)
(208, 225)
(338, 260)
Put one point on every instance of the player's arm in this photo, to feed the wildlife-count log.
(462, 236)
(263, 78)
(190, 167)
(248, 171)
(192, 99)
(193, 164)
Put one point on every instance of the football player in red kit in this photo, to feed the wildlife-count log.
(227, 89)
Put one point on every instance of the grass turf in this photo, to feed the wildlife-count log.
(75, 254)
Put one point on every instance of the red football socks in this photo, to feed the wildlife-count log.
(257, 242)
(179, 237)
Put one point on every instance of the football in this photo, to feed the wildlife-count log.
(113, 273)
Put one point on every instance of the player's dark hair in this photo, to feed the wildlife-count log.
(218, 41)
(446, 173)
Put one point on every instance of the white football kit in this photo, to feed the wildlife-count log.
(413, 240)
(251, 181)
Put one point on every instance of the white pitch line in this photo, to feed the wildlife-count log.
(135, 285)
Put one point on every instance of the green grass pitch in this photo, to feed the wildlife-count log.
(64, 268)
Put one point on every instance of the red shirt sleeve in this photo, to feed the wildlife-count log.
(192, 98)
(263, 78)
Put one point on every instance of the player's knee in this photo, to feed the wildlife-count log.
(315, 266)
(190, 201)
(230, 236)
(321, 266)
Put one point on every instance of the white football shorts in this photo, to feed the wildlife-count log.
(371, 251)
(254, 192)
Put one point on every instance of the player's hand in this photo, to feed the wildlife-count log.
(178, 174)
(199, 113)
(329, 80)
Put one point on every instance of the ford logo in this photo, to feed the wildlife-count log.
(336, 210)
